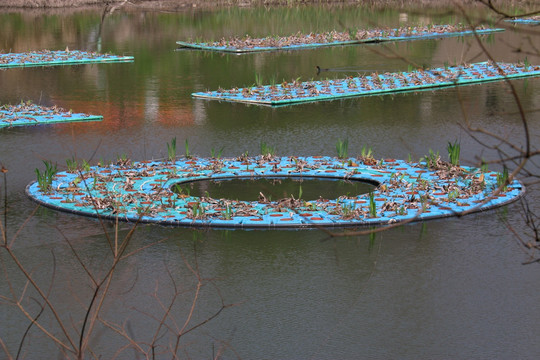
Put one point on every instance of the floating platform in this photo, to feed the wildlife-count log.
(55, 58)
(334, 38)
(141, 192)
(526, 21)
(29, 114)
(374, 84)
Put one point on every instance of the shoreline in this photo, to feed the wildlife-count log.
(171, 5)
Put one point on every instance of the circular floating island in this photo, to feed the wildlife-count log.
(151, 192)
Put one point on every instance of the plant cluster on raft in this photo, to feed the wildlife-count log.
(528, 18)
(49, 56)
(111, 189)
(299, 38)
(28, 110)
(376, 81)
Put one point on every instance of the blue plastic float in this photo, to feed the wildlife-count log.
(334, 38)
(31, 114)
(141, 191)
(374, 84)
(526, 21)
(54, 58)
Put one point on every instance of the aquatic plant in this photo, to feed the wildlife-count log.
(503, 179)
(122, 160)
(228, 213)
(197, 210)
(366, 152)
(72, 164)
(85, 165)
(267, 150)
(171, 150)
(454, 152)
(244, 157)
(372, 205)
(484, 166)
(431, 159)
(453, 195)
(366, 156)
(216, 154)
(347, 210)
(342, 148)
(45, 179)
(258, 79)
(176, 188)
(188, 154)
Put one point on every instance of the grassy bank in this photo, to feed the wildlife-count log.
(175, 4)
(49, 3)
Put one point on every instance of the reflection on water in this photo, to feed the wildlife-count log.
(451, 288)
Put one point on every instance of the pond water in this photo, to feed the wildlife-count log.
(250, 189)
(452, 288)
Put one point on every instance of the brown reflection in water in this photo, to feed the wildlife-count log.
(119, 116)
(169, 116)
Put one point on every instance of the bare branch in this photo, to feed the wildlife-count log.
(34, 320)
(6, 351)
(498, 11)
(45, 298)
(76, 254)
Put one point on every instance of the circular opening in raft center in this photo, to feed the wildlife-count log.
(273, 188)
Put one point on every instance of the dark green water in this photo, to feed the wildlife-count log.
(274, 188)
(450, 289)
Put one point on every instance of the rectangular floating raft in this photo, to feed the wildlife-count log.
(29, 114)
(374, 84)
(528, 21)
(205, 46)
(55, 58)
(382, 36)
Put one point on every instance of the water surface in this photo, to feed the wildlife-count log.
(251, 189)
(451, 288)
